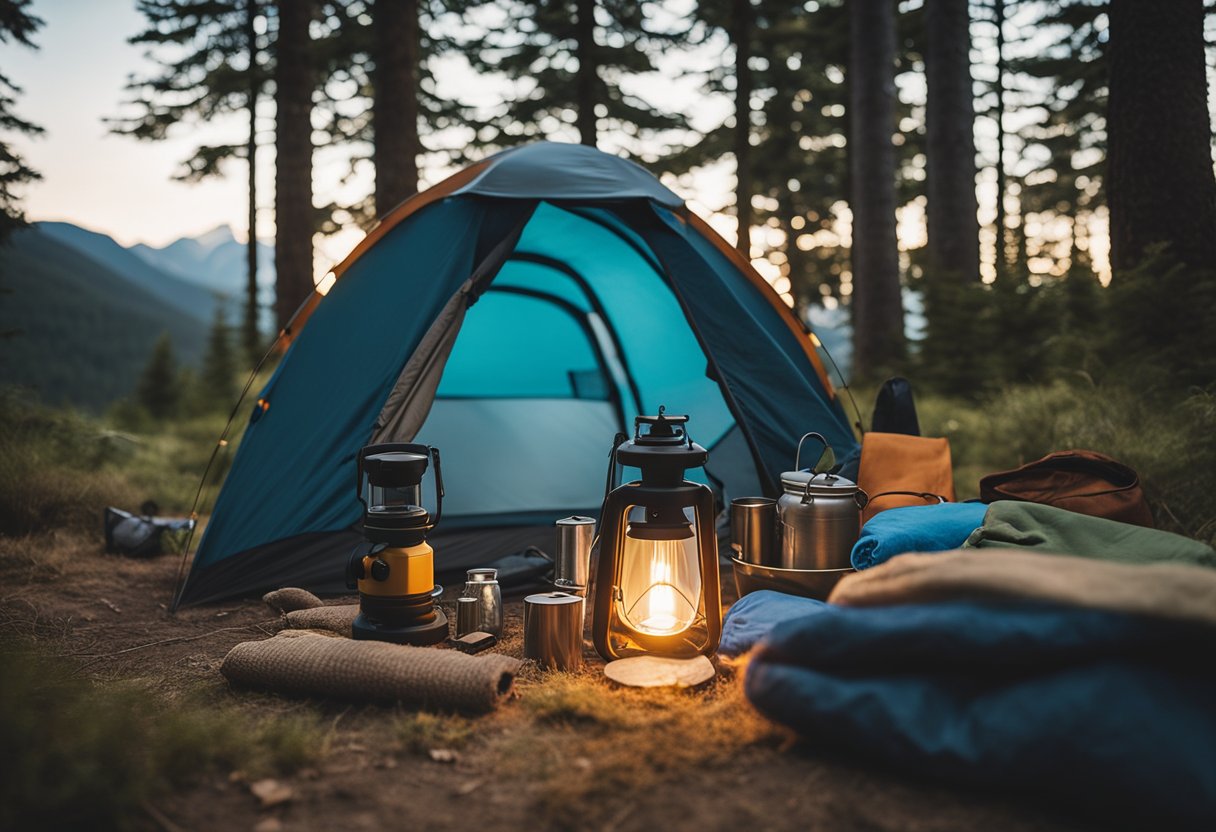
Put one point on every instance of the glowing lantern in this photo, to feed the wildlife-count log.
(656, 584)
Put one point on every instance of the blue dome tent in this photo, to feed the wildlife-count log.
(517, 316)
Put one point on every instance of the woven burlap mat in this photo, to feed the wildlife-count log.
(291, 598)
(335, 619)
(309, 664)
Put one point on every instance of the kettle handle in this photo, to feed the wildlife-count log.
(859, 497)
(798, 453)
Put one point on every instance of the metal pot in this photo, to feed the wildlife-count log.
(819, 517)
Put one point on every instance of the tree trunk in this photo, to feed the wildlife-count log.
(584, 28)
(1002, 234)
(293, 209)
(1159, 182)
(878, 318)
(251, 340)
(953, 227)
(395, 103)
(741, 34)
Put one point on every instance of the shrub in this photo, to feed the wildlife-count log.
(80, 754)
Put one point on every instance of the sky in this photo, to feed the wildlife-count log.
(92, 178)
(125, 188)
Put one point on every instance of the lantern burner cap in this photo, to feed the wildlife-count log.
(661, 523)
(395, 468)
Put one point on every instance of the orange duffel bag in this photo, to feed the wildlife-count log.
(900, 470)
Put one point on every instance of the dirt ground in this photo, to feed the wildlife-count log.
(695, 760)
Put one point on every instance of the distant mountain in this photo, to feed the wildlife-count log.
(184, 295)
(216, 260)
(82, 326)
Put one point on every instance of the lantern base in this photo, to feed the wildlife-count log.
(419, 635)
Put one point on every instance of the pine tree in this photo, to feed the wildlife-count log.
(209, 65)
(395, 112)
(567, 59)
(217, 383)
(1058, 80)
(953, 226)
(799, 163)
(17, 24)
(295, 218)
(158, 391)
(878, 320)
(1160, 181)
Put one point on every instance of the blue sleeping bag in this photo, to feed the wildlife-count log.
(916, 529)
(1112, 714)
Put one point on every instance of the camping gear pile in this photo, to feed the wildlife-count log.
(1019, 645)
(1048, 640)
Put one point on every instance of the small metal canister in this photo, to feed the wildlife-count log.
(553, 630)
(468, 619)
(574, 537)
(482, 584)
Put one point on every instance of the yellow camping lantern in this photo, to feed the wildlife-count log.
(394, 570)
(656, 584)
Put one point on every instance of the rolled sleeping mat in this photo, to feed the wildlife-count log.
(308, 664)
(334, 618)
(291, 598)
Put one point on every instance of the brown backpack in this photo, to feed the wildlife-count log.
(1086, 482)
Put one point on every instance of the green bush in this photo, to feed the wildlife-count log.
(59, 469)
(80, 754)
(1171, 442)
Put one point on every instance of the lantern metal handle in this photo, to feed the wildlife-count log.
(610, 483)
(405, 447)
(438, 486)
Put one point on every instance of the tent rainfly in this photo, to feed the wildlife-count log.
(517, 315)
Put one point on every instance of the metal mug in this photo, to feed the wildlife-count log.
(753, 530)
(572, 565)
(553, 630)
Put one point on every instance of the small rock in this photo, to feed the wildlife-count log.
(444, 755)
(271, 792)
(468, 787)
(268, 825)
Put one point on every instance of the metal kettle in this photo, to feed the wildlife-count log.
(818, 515)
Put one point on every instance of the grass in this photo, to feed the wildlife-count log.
(60, 469)
(1166, 438)
(420, 732)
(1169, 441)
(590, 743)
(79, 753)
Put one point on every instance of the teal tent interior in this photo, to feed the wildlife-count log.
(516, 316)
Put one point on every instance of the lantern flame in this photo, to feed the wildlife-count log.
(661, 607)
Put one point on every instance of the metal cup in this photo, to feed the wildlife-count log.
(468, 616)
(553, 630)
(753, 530)
(570, 570)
